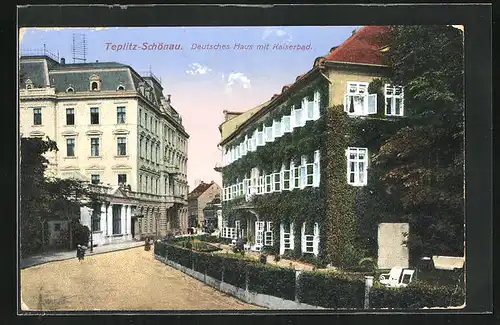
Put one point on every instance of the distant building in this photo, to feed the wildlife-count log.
(116, 130)
(212, 214)
(197, 201)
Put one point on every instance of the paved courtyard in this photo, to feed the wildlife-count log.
(124, 280)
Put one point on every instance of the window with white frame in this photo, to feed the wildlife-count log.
(286, 178)
(268, 236)
(394, 103)
(287, 237)
(316, 168)
(261, 184)
(277, 182)
(307, 239)
(269, 136)
(268, 187)
(308, 106)
(244, 147)
(246, 186)
(299, 120)
(302, 172)
(277, 129)
(309, 178)
(259, 232)
(254, 177)
(285, 121)
(296, 177)
(249, 144)
(357, 164)
(260, 137)
(357, 101)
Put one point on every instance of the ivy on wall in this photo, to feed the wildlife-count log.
(348, 216)
(291, 146)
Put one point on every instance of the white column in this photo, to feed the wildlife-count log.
(129, 219)
(103, 218)
(109, 230)
(123, 216)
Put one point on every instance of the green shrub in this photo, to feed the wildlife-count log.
(271, 280)
(416, 295)
(234, 271)
(331, 290)
(160, 249)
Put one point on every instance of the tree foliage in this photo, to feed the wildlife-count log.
(45, 198)
(424, 161)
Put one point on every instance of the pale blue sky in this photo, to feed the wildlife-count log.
(219, 79)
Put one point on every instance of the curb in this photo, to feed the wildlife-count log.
(71, 257)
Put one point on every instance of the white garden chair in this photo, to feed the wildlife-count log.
(406, 277)
(391, 279)
(398, 277)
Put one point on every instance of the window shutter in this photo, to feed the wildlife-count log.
(304, 110)
(371, 104)
(316, 105)
(282, 239)
(346, 103)
(292, 175)
(292, 119)
(303, 237)
(316, 239)
(292, 237)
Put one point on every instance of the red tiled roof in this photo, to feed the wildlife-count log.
(199, 190)
(362, 47)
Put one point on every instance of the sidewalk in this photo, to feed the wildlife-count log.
(60, 256)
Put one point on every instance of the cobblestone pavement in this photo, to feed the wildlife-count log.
(123, 280)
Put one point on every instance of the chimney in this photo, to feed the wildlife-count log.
(168, 98)
(63, 61)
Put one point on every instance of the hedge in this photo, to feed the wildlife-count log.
(266, 279)
(271, 280)
(416, 295)
(331, 290)
(334, 290)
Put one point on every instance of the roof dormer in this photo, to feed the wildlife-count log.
(95, 83)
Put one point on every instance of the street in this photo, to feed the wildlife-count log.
(124, 280)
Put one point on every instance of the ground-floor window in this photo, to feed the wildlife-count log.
(96, 221)
(117, 220)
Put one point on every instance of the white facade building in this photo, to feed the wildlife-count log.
(115, 129)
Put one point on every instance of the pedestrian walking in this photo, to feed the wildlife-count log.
(80, 252)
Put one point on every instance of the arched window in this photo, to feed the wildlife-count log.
(120, 87)
(95, 83)
(29, 84)
(70, 89)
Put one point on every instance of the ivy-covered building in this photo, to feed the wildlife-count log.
(294, 166)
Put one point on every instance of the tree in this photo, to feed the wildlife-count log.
(424, 161)
(43, 198)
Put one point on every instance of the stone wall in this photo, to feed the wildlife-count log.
(391, 248)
